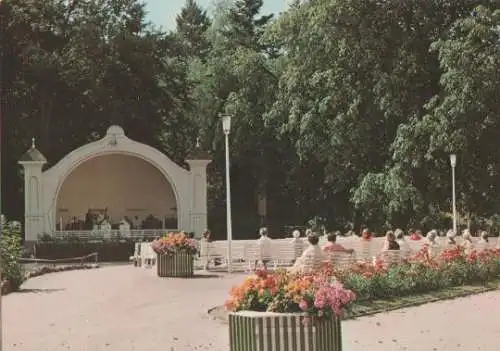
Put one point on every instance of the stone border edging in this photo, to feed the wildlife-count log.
(425, 300)
(38, 271)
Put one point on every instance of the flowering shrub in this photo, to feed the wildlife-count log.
(330, 290)
(175, 242)
(318, 295)
(420, 273)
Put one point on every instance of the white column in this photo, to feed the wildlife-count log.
(198, 195)
(33, 200)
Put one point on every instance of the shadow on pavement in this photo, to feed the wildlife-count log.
(197, 276)
(39, 291)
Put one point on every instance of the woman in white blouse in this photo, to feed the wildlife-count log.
(311, 259)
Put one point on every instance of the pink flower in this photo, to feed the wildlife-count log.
(303, 305)
(319, 302)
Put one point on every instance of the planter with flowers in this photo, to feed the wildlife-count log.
(282, 311)
(175, 252)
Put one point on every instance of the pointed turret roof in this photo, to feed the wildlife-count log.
(33, 154)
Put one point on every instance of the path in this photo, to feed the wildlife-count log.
(122, 308)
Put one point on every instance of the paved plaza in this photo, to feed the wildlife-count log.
(122, 308)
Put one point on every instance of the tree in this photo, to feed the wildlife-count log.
(192, 25)
(355, 71)
(245, 26)
(70, 69)
(239, 78)
(464, 118)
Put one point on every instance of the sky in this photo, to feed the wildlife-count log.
(163, 12)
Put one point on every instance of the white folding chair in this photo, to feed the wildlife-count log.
(251, 254)
(283, 254)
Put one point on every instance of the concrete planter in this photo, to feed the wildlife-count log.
(267, 331)
(179, 264)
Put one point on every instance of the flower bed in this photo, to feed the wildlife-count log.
(325, 294)
(175, 253)
(419, 274)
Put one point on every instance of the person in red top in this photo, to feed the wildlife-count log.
(417, 235)
(332, 246)
(365, 234)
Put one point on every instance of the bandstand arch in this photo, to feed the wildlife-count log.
(188, 187)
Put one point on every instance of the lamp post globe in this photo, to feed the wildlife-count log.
(226, 124)
(453, 160)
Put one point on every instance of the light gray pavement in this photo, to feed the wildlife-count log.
(122, 308)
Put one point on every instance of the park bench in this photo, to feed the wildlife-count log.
(391, 257)
(340, 259)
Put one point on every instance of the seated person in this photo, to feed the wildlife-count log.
(467, 243)
(450, 238)
(298, 244)
(207, 235)
(264, 243)
(403, 244)
(416, 235)
(333, 246)
(431, 238)
(366, 235)
(312, 258)
(483, 242)
(390, 242)
(433, 246)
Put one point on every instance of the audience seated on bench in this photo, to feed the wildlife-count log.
(265, 247)
(312, 258)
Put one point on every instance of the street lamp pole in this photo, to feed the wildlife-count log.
(226, 127)
(453, 162)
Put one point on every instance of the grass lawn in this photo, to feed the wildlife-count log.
(367, 308)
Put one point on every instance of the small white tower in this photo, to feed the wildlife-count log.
(33, 162)
(198, 160)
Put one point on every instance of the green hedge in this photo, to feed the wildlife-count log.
(10, 253)
(109, 251)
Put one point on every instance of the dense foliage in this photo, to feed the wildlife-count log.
(10, 253)
(343, 109)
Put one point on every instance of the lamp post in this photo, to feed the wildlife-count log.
(453, 162)
(226, 127)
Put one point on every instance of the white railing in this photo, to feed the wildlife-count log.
(134, 234)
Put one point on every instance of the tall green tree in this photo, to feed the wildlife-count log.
(70, 69)
(355, 71)
(246, 25)
(464, 118)
(239, 78)
(192, 25)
